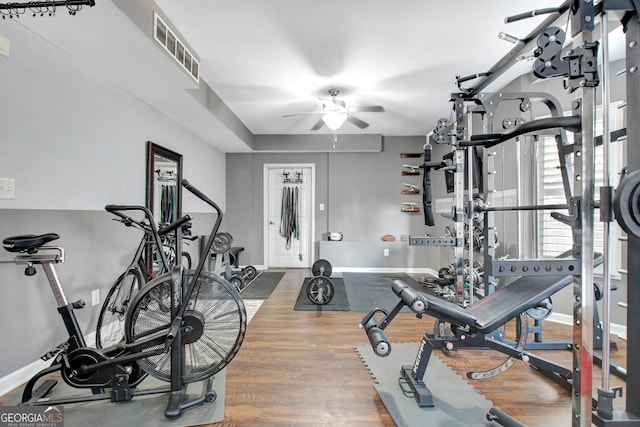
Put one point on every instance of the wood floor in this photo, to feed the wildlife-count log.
(299, 368)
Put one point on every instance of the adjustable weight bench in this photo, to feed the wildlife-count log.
(476, 326)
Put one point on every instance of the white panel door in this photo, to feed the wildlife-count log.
(295, 254)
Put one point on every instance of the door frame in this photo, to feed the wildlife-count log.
(265, 206)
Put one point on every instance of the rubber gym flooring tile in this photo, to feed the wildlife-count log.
(262, 286)
(369, 290)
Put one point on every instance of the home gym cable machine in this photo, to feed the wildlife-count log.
(582, 77)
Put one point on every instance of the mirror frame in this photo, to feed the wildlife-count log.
(153, 150)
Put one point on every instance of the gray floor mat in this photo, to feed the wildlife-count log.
(457, 403)
(262, 286)
(143, 411)
(369, 290)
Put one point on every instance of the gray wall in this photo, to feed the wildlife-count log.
(360, 190)
(74, 142)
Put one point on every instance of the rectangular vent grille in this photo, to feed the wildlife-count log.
(167, 39)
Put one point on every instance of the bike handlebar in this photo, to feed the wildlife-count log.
(114, 209)
(174, 225)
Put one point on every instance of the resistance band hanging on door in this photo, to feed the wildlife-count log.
(289, 215)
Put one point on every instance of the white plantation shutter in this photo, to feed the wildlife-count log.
(555, 237)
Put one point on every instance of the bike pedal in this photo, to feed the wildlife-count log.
(55, 351)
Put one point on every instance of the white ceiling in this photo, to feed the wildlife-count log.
(266, 59)
(270, 58)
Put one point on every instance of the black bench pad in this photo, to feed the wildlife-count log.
(498, 308)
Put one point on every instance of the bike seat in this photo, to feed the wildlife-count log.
(28, 242)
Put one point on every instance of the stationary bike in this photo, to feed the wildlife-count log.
(178, 314)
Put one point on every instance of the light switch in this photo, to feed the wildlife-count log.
(321, 207)
(7, 188)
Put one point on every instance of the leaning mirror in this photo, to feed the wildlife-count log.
(164, 192)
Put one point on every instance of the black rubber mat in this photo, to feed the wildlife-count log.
(339, 302)
(262, 286)
(369, 290)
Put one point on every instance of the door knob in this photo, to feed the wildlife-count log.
(271, 222)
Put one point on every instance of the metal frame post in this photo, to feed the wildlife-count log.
(633, 267)
(583, 296)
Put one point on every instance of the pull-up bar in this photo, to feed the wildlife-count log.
(527, 44)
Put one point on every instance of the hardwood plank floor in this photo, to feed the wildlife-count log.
(299, 368)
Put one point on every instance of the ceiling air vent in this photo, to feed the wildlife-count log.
(167, 38)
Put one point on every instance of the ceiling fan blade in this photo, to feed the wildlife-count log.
(318, 125)
(356, 121)
(366, 109)
(302, 114)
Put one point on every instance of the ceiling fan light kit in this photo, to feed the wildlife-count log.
(334, 119)
(335, 112)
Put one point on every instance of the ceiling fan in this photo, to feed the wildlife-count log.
(335, 112)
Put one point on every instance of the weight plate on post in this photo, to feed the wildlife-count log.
(542, 310)
(321, 267)
(626, 203)
(221, 243)
(320, 290)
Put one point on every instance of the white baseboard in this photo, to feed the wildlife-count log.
(384, 270)
(565, 319)
(24, 374)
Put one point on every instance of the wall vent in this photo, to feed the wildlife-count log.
(168, 40)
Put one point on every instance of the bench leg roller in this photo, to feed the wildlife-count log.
(379, 342)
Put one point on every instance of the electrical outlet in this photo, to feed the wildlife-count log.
(95, 297)
(386, 252)
(7, 188)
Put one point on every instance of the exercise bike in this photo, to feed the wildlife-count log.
(182, 327)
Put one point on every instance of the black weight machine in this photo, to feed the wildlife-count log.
(580, 72)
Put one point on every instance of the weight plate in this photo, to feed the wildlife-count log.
(237, 282)
(320, 290)
(626, 201)
(221, 243)
(541, 311)
(249, 272)
(321, 267)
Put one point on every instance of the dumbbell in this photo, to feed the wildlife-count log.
(248, 273)
(320, 289)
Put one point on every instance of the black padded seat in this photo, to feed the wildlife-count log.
(27, 242)
(501, 306)
(524, 293)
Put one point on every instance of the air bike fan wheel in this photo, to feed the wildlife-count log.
(215, 318)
